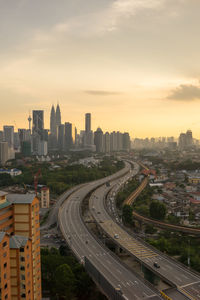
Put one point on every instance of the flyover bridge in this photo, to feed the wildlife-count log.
(114, 279)
(187, 283)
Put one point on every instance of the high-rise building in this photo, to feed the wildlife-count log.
(53, 130)
(20, 239)
(113, 141)
(98, 140)
(58, 115)
(61, 137)
(1, 136)
(9, 135)
(69, 136)
(87, 122)
(38, 128)
(4, 152)
(126, 142)
(107, 142)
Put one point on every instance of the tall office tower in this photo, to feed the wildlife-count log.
(87, 122)
(69, 136)
(53, 121)
(113, 141)
(98, 140)
(1, 136)
(126, 142)
(20, 219)
(119, 141)
(38, 128)
(182, 141)
(61, 137)
(24, 135)
(88, 140)
(16, 141)
(4, 152)
(9, 135)
(107, 142)
(58, 115)
(189, 138)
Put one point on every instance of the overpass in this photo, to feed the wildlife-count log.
(114, 279)
(187, 283)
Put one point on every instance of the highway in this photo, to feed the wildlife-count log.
(84, 244)
(174, 273)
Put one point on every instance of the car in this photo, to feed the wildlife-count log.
(156, 265)
(116, 236)
(99, 212)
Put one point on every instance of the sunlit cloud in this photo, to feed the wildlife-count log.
(185, 93)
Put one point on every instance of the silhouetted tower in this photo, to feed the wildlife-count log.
(53, 122)
(29, 122)
(58, 115)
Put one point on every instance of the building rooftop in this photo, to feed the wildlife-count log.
(2, 193)
(18, 241)
(21, 198)
(4, 204)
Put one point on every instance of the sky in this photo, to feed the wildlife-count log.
(134, 64)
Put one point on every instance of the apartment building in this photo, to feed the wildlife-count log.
(19, 224)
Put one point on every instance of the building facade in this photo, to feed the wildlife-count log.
(19, 220)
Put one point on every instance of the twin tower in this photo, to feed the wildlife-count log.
(55, 120)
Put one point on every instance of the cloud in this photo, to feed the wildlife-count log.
(185, 92)
(102, 93)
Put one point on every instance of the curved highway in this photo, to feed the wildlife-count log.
(85, 245)
(174, 273)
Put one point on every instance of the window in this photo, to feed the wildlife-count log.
(4, 276)
(5, 254)
(4, 244)
(22, 258)
(21, 250)
(6, 296)
(22, 277)
(5, 265)
(22, 268)
(5, 286)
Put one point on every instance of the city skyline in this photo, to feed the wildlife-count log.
(137, 61)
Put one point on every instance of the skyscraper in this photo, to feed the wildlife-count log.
(3, 152)
(58, 115)
(69, 136)
(53, 122)
(9, 135)
(88, 122)
(38, 128)
(98, 140)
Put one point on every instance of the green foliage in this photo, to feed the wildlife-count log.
(180, 245)
(61, 179)
(127, 214)
(5, 180)
(150, 229)
(64, 281)
(173, 220)
(127, 190)
(64, 277)
(157, 210)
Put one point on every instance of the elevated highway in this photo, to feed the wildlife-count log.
(87, 248)
(186, 282)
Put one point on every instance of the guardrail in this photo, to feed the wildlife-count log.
(111, 292)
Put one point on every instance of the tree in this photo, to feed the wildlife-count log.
(64, 282)
(127, 214)
(157, 210)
